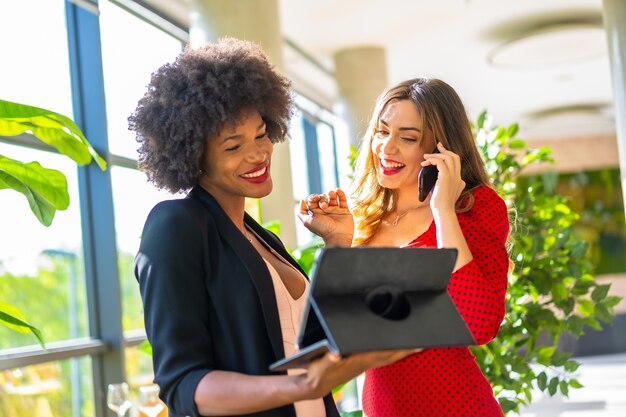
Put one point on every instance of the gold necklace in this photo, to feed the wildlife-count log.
(401, 215)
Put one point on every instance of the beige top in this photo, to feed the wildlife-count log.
(290, 314)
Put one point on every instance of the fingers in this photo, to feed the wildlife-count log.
(453, 162)
(305, 214)
(455, 166)
(337, 198)
(447, 162)
(332, 357)
(305, 209)
(444, 154)
(381, 358)
(316, 200)
(398, 355)
(334, 198)
(324, 363)
(342, 200)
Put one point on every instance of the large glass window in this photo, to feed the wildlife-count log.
(35, 64)
(127, 69)
(131, 50)
(138, 367)
(297, 156)
(327, 149)
(133, 198)
(41, 269)
(52, 389)
(319, 157)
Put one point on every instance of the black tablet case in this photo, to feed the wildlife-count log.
(379, 298)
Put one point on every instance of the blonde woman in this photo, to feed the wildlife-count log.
(409, 122)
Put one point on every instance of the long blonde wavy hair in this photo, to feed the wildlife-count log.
(443, 114)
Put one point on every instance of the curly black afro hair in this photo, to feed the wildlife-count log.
(190, 100)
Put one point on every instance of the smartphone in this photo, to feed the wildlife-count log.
(426, 179)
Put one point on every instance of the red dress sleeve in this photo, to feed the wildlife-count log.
(478, 288)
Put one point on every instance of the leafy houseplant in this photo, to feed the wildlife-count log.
(45, 189)
(552, 292)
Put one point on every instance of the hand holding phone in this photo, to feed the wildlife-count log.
(426, 179)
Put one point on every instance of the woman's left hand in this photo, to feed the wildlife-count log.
(328, 216)
(449, 184)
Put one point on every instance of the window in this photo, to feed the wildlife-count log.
(131, 50)
(32, 41)
(127, 67)
(138, 367)
(133, 198)
(62, 388)
(41, 269)
(319, 157)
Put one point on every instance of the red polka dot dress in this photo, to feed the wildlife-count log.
(447, 382)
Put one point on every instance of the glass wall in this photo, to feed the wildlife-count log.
(41, 268)
(127, 66)
(34, 38)
(133, 198)
(49, 272)
(52, 389)
(131, 50)
(319, 156)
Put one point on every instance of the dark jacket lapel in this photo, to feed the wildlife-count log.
(272, 240)
(252, 260)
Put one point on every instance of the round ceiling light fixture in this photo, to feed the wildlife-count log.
(551, 45)
(570, 120)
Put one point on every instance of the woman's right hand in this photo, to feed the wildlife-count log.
(332, 370)
(328, 216)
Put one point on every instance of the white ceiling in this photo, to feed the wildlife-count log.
(568, 95)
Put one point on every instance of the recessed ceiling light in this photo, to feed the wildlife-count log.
(570, 120)
(604, 110)
(551, 46)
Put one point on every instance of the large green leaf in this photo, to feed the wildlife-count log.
(145, 347)
(356, 413)
(45, 189)
(52, 128)
(273, 226)
(14, 319)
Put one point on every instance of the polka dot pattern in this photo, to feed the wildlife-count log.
(446, 382)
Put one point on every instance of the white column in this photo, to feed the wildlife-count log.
(361, 74)
(257, 21)
(615, 24)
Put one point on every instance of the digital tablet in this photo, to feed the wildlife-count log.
(366, 299)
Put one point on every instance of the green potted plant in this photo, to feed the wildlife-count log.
(45, 189)
(552, 291)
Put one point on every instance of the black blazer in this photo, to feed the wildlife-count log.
(209, 301)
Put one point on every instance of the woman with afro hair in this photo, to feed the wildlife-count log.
(222, 297)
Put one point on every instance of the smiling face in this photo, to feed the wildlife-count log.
(399, 144)
(237, 162)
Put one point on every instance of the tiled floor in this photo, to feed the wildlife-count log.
(603, 395)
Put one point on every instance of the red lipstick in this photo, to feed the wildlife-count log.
(265, 168)
(387, 170)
